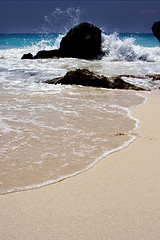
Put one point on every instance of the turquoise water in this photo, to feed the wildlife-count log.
(8, 41)
(142, 39)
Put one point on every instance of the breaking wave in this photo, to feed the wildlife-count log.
(116, 49)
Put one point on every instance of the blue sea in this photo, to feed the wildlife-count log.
(51, 132)
(8, 41)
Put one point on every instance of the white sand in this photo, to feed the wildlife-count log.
(118, 199)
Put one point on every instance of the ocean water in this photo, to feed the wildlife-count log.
(51, 132)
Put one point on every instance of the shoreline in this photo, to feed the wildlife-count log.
(131, 133)
(118, 198)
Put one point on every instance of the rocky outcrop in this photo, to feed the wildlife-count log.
(82, 41)
(156, 30)
(47, 54)
(86, 78)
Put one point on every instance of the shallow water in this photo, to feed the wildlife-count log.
(46, 137)
(50, 132)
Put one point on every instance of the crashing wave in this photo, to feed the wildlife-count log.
(116, 49)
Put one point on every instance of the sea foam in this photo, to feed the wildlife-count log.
(50, 132)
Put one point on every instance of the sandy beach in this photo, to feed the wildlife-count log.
(118, 199)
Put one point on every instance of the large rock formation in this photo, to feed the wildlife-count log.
(82, 41)
(156, 30)
(86, 78)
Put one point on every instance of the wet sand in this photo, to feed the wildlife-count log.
(117, 199)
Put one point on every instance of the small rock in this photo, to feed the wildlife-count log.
(47, 54)
(27, 56)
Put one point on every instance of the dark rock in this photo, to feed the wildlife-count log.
(156, 30)
(82, 41)
(82, 77)
(86, 78)
(47, 54)
(27, 56)
(118, 83)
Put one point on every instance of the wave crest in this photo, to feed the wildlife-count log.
(116, 49)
